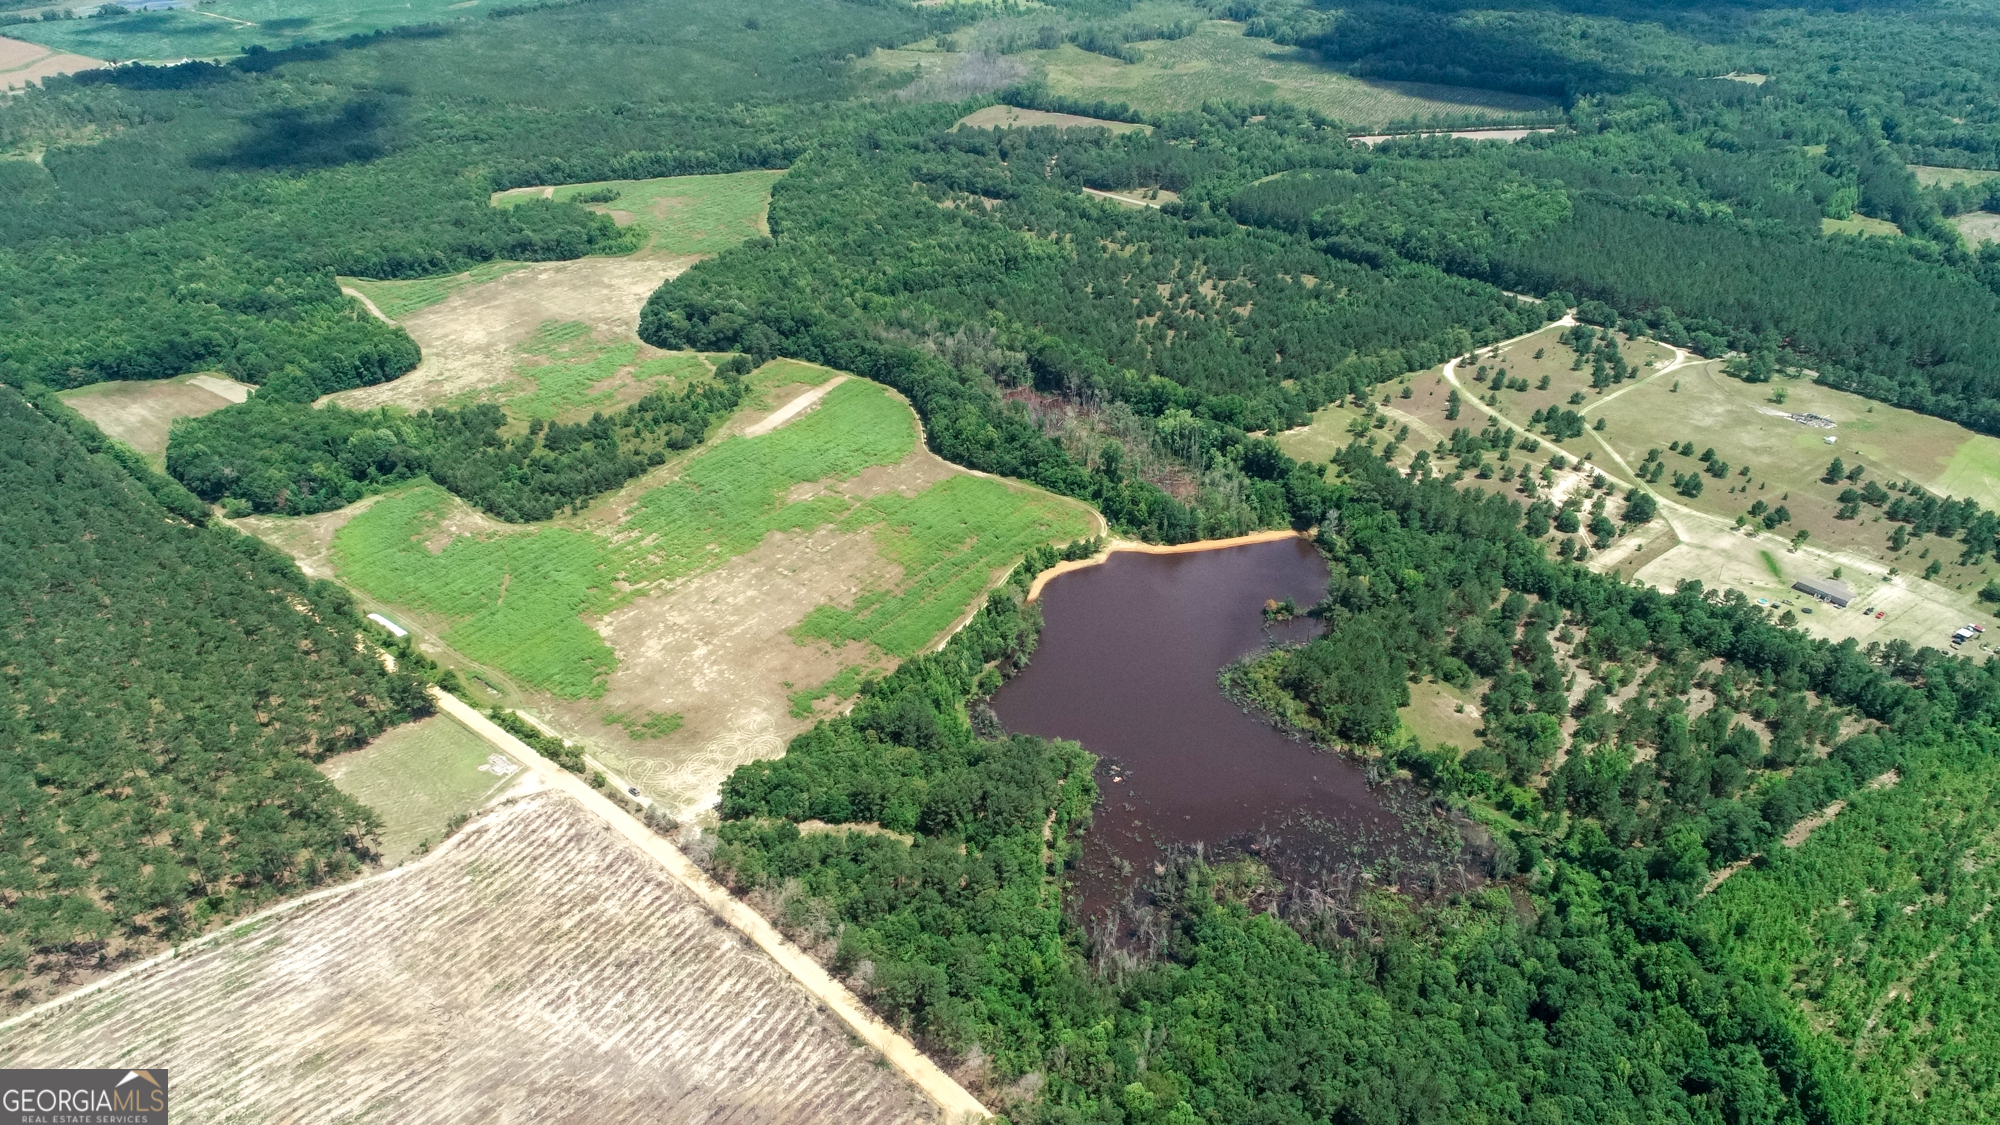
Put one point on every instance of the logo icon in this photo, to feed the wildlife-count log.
(83, 1097)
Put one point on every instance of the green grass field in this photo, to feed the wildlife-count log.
(1219, 63)
(224, 28)
(680, 214)
(517, 599)
(1881, 927)
(565, 372)
(1861, 225)
(1931, 177)
(951, 540)
(418, 777)
(398, 299)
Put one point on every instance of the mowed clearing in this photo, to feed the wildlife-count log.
(714, 588)
(536, 967)
(479, 329)
(142, 413)
(1008, 117)
(679, 214)
(1220, 64)
(418, 777)
(1977, 227)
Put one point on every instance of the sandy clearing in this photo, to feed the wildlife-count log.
(716, 650)
(537, 966)
(1010, 117)
(1978, 227)
(1127, 200)
(793, 408)
(223, 385)
(899, 1051)
(468, 339)
(1508, 135)
(23, 64)
(308, 539)
(142, 413)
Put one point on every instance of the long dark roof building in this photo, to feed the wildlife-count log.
(1826, 590)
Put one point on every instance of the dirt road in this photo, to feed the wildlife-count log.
(958, 1103)
(794, 408)
(1719, 553)
(366, 303)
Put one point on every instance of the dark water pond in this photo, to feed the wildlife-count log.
(1127, 666)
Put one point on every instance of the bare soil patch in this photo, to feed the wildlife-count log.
(536, 967)
(469, 339)
(141, 414)
(308, 539)
(24, 64)
(716, 650)
(1008, 117)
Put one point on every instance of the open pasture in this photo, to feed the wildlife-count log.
(398, 299)
(141, 413)
(1220, 64)
(1862, 225)
(565, 372)
(24, 64)
(418, 777)
(1741, 423)
(717, 585)
(1442, 715)
(225, 28)
(535, 967)
(482, 330)
(1557, 363)
(1786, 460)
(679, 214)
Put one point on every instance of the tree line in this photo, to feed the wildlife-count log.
(292, 458)
(1611, 997)
(169, 688)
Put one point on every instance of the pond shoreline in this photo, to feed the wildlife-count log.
(1136, 547)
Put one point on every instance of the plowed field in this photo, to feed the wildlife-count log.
(533, 968)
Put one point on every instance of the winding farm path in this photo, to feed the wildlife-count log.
(1687, 523)
(959, 1104)
(365, 302)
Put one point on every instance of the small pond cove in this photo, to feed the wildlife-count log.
(1127, 666)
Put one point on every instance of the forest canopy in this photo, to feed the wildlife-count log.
(169, 688)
